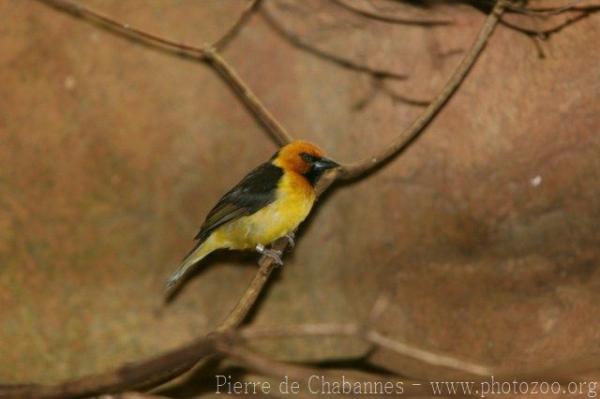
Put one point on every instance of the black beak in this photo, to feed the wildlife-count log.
(323, 164)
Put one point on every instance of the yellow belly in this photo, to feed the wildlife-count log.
(273, 221)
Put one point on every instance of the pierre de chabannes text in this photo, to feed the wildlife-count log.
(316, 384)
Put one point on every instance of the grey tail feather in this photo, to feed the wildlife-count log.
(186, 264)
(177, 275)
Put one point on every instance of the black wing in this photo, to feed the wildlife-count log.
(254, 192)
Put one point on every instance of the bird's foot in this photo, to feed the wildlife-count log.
(291, 237)
(274, 254)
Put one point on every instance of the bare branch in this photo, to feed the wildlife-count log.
(381, 85)
(206, 53)
(302, 330)
(547, 32)
(343, 62)
(234, 29)
(125, 29)
(433, 359)
(248, 299)
(369, 335)
(262, 114)
(407, 136)
(392, 20)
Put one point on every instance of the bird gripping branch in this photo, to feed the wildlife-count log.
(269, 203)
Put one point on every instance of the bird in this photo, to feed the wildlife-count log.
(269, 203)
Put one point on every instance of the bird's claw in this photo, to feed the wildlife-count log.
(291, 237)
(274, 254)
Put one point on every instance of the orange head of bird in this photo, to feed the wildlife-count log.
(305, 159)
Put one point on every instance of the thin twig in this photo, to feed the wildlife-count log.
(371, 336)
(234, 29)
(262, 114)
(381, 85)
(407, 136)
(544, 34)
(302, 330)
(430, 358)
(394, 19)
(125, 29)
(245, 303)
(206, 53)
(343, 62)
(219, 44)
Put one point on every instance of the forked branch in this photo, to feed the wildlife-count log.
(346, 63)
(208, 54)
(169, 364)
(373, 161)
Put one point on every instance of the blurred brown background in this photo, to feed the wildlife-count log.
(111, 153)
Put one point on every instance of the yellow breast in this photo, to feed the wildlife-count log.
(295, 198)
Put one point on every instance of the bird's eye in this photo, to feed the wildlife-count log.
(308, 158)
